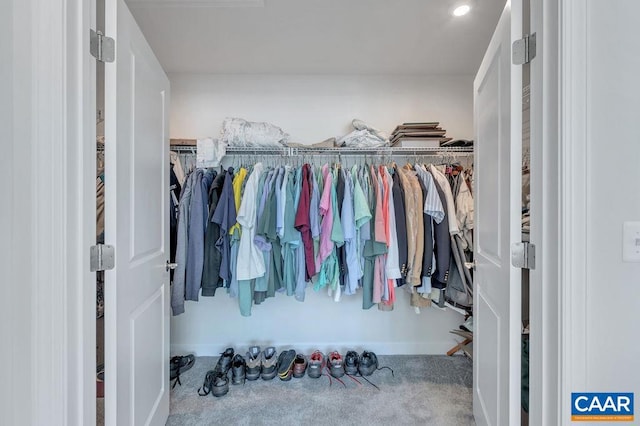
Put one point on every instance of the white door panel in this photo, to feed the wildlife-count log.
(136, 223)
(497, 305)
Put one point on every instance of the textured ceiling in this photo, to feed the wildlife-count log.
(317, 36)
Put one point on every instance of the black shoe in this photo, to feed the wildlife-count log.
(351, 363)
(368, 363)
(207, 384)
(224, 362)
(214, 382)
(238, 370)
(220, 384)
(285, 364)
(178, 365)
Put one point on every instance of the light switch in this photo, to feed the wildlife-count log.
(631, 242)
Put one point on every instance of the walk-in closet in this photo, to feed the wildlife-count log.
(240, 212)
(316, 164)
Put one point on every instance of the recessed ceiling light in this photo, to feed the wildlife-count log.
(461, 10)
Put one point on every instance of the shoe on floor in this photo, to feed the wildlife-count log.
(336, 364)
(315, 365)
(238, 370)
(253, 363)
(351, 363)
(224, 362)
(467, 325)
(180, 364)
(207, 384)
(285, 364)
(220, 384)
(269, 362)
(368, 363)
(299, 366)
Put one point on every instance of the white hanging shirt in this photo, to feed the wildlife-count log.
(250, 262)
(432, 203)
(443, 182)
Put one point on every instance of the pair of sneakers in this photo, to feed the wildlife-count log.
(351, 364)
(230, 361)
(365, 364)
(261, 363)
(216, 381)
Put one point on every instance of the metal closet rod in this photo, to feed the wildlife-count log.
(182, 145)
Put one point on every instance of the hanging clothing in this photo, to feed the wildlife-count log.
(265, 186)
(211, 279)
(443, 183)
(260, 231)
(401, 226)
(326, 213)
(362, 216)
(351, 264)
(179, 278)
(303, 221)
(373, 248)
(442, 244)
(225, 217)
(300, 256)
(464, 212)
(238, 183)
(196, 230)
(176, 167)
(250, 261)
(174, 197)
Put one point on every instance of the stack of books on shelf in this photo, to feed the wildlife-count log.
(419, 135)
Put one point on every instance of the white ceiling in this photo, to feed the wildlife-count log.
(317, 36)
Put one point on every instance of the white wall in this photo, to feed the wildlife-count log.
(311, 109)
(613, 170)
(212, 324)
(16, 234)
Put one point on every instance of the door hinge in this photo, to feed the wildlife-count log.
(102, 48)
(524, 50)
(523, 255)
(102, 257)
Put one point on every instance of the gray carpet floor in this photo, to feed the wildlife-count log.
(426, 390)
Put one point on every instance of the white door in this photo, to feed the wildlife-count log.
(136, 222)
(498, 167)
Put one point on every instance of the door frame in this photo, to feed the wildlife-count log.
(545, 288)
(559, 194)
(573, 34)
(81, 209)
(63, 334)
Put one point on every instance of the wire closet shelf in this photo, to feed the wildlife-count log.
(335, 151)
